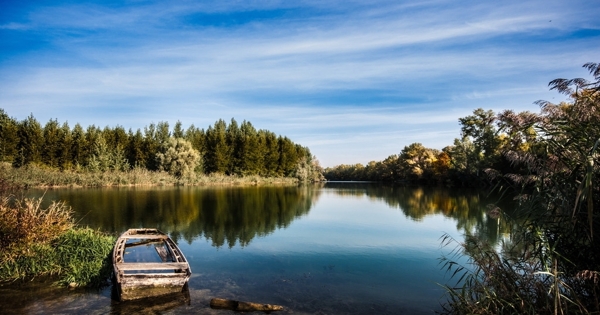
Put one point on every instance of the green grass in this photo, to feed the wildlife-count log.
(44, 242)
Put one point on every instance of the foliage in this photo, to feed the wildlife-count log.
(502, 283)
(36, 176)
(552, 264)
(177, 157)
(223, 149)
(40, 241)
(309, 171)
(23, 222)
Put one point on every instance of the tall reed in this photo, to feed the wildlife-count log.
(39, 241)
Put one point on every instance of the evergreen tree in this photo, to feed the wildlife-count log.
(287, 156)
(270, 154)
(93, 136)
(178, 130)
(162, 134)
(9, 138)
(30, 142)
(235, 145)
(50, 145)
(135, 149)
(78, 146)
(63, 154)
(217, 151)
(250, 150)
(196, 137)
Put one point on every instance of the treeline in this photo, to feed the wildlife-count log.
(550, 264)
(230, 149)
(485, 149)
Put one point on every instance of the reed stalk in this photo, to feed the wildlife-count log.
(40, 241)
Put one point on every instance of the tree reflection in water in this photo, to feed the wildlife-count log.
(236, 215)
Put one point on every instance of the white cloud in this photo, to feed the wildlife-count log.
(354, 80)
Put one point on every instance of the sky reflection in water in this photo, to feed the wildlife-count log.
(335, 249)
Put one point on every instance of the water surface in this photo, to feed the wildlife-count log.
(338, 248)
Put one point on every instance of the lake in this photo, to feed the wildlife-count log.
(334, 248)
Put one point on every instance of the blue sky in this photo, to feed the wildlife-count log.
(354, 81)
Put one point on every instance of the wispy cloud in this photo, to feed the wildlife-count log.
(354, 81)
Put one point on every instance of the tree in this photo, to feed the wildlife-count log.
(287, 156)
(78, 146)
(51, 143)
(178, 157)
(30, 142)
(270, 153)
(136, 155)
(9, 138)
(481, 128)
(250, 150)
(217, 157)
(235, 147)
(105, 159)
(196, 137)
(417, 161)
(63, 153)
(178, 130)
(309, 170)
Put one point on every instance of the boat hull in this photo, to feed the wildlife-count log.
(135, 278)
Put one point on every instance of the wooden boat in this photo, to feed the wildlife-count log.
(148, 263)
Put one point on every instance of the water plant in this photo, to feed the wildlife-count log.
(39, 241)
(551, 263)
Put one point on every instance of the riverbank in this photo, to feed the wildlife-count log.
(44, 177)
(39, 242)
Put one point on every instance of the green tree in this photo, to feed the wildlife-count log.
(178, 157)
(65, 144)
(162, 134)
(196, 137)
(482, 130)
(235, 148)
(309, 170)
(30, 142)
(178, 130)
(270, 153)
(51, 143)
(287, 156)
(250, 150)
(136, 155)
(78, 146)
(416, 162)
(93, 135)
(216, 159)
(105, 159)
(9, 138)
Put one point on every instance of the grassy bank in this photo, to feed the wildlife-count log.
(41, 176)
(45, 242)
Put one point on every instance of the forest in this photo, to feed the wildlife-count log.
(229, 149)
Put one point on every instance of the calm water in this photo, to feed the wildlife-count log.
(338, 248)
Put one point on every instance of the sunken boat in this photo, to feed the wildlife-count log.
(148, 263)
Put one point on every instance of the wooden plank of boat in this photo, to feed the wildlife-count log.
(140, 279)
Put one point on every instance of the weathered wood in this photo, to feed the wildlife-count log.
(145, 236)
(135, 280)
(238, 306)
(163, 253)
(152, 266)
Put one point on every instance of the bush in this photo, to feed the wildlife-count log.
(42, 242)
